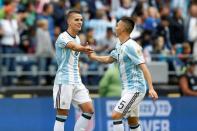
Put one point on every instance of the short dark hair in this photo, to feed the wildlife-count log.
(129, 23)
(70, 12)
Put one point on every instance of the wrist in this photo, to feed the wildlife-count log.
(151, 87)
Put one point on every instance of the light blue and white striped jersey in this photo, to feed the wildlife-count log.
(129, 56)
(67, 60)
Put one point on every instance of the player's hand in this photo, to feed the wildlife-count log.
(153, 94)
(88, 50)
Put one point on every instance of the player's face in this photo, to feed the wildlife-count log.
(75, 22)
(119, 28)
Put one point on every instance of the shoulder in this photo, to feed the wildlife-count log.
(63, 36)
(132, 47)
(131, 44)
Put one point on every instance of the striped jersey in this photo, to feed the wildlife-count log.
(67, 60)
(129, 56)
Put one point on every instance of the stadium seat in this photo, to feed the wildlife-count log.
(159, 72)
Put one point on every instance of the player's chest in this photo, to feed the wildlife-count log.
(70, 54)
(75, 54)
(121, 54)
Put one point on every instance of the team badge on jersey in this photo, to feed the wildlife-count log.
(139, 52)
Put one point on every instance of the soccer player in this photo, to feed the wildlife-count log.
(133, 73)
(68, 87)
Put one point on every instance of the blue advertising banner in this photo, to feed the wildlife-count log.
(165, 114)
(37, 114)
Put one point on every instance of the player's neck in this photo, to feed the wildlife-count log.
(72, 32)
(123, 38)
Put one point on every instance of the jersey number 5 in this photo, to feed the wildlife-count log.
(121, 105)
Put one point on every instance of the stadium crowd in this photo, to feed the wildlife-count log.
(166, 29)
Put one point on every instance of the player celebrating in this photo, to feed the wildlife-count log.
(68, 87)
(133, 72)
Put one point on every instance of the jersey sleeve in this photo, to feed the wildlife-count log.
(62, 41)
(135, 54)
(114, 54)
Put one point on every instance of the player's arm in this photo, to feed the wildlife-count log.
(102, 59)
(136, 55)
(148, 78)
(76, 47)
(183, 83)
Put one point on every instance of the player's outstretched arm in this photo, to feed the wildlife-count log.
(76, 47)
(102, 59)
(147, 75)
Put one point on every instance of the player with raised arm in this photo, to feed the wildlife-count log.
(68, 87)
(133, 73)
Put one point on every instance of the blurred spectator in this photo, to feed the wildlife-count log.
(191, 24)
(44, 45)
(138, 29)
(163, 29)
(108, 43)
(92, 8)
(59, 14)
(126, 8)
(85, 11)
(44, 48)
(39, 5)
(186, 53)
(93, 43)
(177, 27)
(195, 44)
(110, 84)
(32, 39)
(193, 29)
(47, 14)
(188, 81)
(183, 58)
(90, 38)
(115, 5)
(147, 44)
(76, 4)
(165, 10)
(9, 38)
(182, 4)
(159, 3)
(101, 6)
(31, 16)
(100, 24)
(57, 31)
(159, 52)
(152, 21)
(9, 27)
